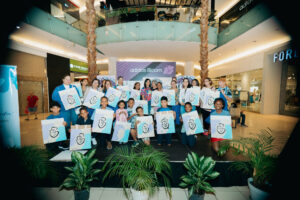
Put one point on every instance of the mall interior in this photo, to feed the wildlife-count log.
(252, 44)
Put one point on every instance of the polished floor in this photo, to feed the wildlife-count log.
(280, 125)
(221, 193)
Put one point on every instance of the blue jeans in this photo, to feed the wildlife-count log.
(167, 137)
(188, 139)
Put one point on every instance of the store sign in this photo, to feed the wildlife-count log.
(287, 54)
(78, 66)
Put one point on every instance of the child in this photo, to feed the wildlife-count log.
(107, 137)
(130, 119)
(121, 113)
(55, 109)
(84, 119)
(189, 140)
(140, 113)
(164, 107)
(219, 104)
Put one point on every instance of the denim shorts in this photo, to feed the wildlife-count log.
(33, 109)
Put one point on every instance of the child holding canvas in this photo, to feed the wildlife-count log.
(219, 104)
(164, 107)
(140, 113)
(189, 140)
(107, 137)
(121, 113)
(55, 109)
(130, 118)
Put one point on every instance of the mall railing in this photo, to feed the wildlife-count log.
(133, 14)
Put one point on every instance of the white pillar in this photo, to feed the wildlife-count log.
(112, 66)
(189, 68)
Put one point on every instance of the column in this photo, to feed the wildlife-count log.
(189, 68)
(112, 66)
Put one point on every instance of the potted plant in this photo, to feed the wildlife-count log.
(140, 169)
(260, 164)
(33, 160)
(199, 171)
(82, 174)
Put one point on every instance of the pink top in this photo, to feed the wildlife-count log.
(121, 115)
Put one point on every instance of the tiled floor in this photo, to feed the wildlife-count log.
(280, 125)
(222, 193)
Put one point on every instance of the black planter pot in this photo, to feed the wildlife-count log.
(82, 195)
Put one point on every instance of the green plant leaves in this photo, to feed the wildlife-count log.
(82, 173)
(198, 171)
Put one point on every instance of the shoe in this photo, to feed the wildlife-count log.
(244, 125)
(109, 147)
(27, 119)
(35, 118)
(94, 142)
(135, 144)
(63, 148)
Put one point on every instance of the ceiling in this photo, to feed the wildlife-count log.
(262, 34)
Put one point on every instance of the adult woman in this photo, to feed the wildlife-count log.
(137, 86)
(159, 89)
(120, 81)
(84, 86)
(185, 86)
(101, 89)
(195, 83)
(146, 92)
(225, 92)
(208, 84)
(95, 86)
(154, 85)
(70, 115)
(176, 108)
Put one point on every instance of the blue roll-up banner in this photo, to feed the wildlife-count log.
(9, 107)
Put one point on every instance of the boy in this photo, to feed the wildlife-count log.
(130, 118)
(84, 119)
(140, 113)
(107, 137)
(55, 109)
(189, 140)
(164, 107)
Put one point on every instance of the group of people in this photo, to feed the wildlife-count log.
(124, 112)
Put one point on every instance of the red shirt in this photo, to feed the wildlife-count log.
(32, 101)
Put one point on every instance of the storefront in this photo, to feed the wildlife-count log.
(246, 87)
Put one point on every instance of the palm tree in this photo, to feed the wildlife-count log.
(204, 40)
(91, 39)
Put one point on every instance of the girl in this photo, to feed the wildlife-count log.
(219, 106)
(121, 113)
(84, 86)
(95, 86)
(107, 86)
(160, 89)
(137, 86)
(120, 81)
(69, 114)
(101, 89)
(206, 112)
(195, 83)
(146, 92)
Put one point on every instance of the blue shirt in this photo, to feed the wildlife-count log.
(223, 113)
(163, 109)
(107, 108)
(56, 97)
(60, 115)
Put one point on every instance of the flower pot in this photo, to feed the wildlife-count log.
(256, 193)
(139, 195)
(197, 197)
(82, 195)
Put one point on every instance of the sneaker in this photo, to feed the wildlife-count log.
(109, 147)
(135, 144)
(94, 142)
(244, 125)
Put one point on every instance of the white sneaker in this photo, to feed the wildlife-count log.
(94, 141)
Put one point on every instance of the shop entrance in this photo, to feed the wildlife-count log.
(290, 89)
(25, 87)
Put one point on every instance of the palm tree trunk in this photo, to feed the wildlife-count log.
(91, 40)
(204, 40)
